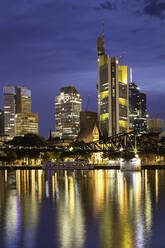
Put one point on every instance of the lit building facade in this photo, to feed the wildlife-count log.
(1, 122)
(89, 130)
(23, 100)
(17, 101)
(137, 109)
(113, 98)
(26, 123)
(9, 110)
(67, 112)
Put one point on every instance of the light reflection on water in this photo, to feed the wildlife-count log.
(104, 208)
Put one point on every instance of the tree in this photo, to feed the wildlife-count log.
(28, 140)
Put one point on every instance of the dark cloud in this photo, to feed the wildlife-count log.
(155, 9)
(107, 5)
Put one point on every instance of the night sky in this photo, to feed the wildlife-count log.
(47, 44)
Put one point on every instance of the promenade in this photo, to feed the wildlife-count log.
(96, 167)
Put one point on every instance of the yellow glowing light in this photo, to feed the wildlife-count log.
(104, 116)
(33, 183)
(104, 94)
(137, 189)
(123, 124)
(18, 182)
(156, 185)
(95, 134)
(39, 185)
(123, 74)
(24, 179)
(71, 197)
(123, 101)
(5, 176)
(53, 193)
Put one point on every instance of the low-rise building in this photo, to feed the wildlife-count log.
(89, 128)
(26, 123)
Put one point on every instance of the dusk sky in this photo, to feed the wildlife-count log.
(47, 44)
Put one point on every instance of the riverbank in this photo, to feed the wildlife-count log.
(96, 167)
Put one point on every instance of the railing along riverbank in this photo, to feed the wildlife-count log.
(93, 167)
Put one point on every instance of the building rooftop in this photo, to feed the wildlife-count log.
(69, 89)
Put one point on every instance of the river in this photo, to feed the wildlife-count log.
(76, 209)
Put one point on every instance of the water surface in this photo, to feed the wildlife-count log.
(102, 208)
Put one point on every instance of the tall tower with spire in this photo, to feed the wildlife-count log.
(112, 92)
(100, 42)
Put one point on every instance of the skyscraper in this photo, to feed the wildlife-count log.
(1, 122)
(17, 104)
(112, 93)
(9, 110)
(23, 100)
(137, 109)
(67, 112)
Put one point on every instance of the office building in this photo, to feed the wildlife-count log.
(1, 122)
(113, 99)
(23, 100)
(137, 109)
(67, 112)
(17, 100)
(26, 123)
(9, 110)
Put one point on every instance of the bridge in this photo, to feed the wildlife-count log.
(128, 141)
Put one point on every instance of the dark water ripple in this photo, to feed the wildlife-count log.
(103, 208)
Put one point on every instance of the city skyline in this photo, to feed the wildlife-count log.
(43, 51)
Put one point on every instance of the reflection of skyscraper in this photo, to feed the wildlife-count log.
(112, 93)
(137, 109)
(68, 107)
(17, 101)
(70, 215)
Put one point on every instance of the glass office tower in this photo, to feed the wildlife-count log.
(113, 100)
(137, 109)
(67, 112)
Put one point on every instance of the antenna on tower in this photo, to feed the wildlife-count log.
(131, 74)
(103, 29)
